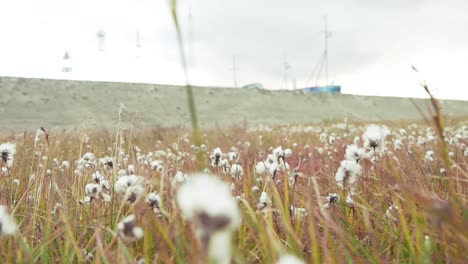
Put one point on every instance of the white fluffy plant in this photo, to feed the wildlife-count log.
(97, 190)
(131, 187)
(275, 162)
(128, 230)
(264, 202)
(374, 137)
(208, 204)
(348, 174)
(236, 171)
(354, 153)
(155, 203)
(7, 155)
(289, 259)
(7, 222)
(215, 157)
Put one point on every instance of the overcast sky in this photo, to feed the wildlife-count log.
(372, 46)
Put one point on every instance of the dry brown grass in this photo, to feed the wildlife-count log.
(430, 226)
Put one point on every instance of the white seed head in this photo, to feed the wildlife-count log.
(205, 194)
(89, 156)
(429, 155)
(65, 164)
(128, 230)
(157, 165)
(179, 177)
(348, 174)
(255, 189)
(354, 153)
(126, 181)
(374, 136)
(278, 152)
(7, 153)
(97, 177)
(7, 222)
(232, 155)
(264, 201)
(93, 190)
(289, 259)
(131, 169)
(236, 171)
(261, 167)
(134, 193)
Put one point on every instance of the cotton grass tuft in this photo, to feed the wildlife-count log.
(7, 222)
(214, 213)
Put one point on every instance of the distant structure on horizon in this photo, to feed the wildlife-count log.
(101, 36)
(323, 65)
(258, 86)
(66, 63)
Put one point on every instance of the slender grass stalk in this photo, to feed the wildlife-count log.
(148, 240)
(196, 133)
(312, 217)
(438, 122)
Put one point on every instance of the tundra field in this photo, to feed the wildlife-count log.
(341, 193)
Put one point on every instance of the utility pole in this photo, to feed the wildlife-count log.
(234, 71)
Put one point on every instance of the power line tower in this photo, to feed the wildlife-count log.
(137, 44)
(327, 34)
(101, 36)
(66, 63)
